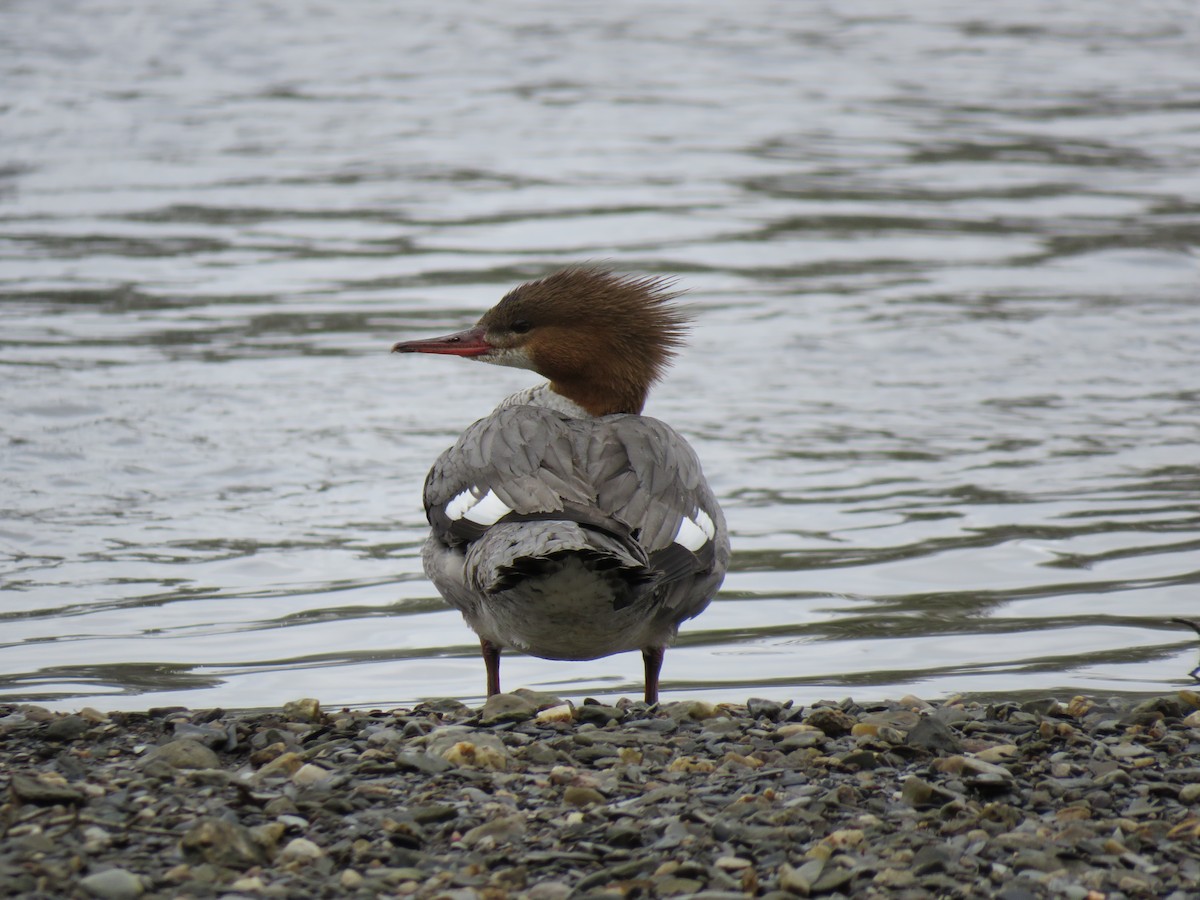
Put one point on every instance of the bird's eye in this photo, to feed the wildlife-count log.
(521, 326)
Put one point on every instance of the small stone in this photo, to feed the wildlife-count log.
(918, 792)
(225, 844)
(997, 754)
(284, 765)
(479, 756)
(1189, 793)
(934, 736)
(280, 806)
(674, 886)
(844, 837)
(800, 881)
(965, 765)
(833, 722)
(562, 713)
(250, 884)
(45, 789)
(549, 890)
(423, 762)
(306, 710)
(503, 830)
(1129, 750)
(933, 858)
(733, 863)
(435, 812)
(582, 796)
(764, 709)
(540, 699)
(113, 884)
(309, 774)
(1078, 707)
(598, 715)
(861, 759)
(68, 728)
(350, 880)
(186, 754)
(894, 878)
(506, 708)
(268, 835)
(802, 740)
(300, 850)
(702, 709)
(691, 764)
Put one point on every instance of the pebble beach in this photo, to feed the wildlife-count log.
(532, 796)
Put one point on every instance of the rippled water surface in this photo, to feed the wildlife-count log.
(945, 374)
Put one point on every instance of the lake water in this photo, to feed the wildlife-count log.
(945, 376)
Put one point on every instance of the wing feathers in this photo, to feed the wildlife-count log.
(631, 477)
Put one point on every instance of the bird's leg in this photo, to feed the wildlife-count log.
(491, 661)
(653, 658)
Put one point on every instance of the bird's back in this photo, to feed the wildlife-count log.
(573, 537)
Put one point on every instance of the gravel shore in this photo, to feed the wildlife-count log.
(530, 796)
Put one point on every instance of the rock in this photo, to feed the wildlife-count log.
(309, 774)
(44, 789)
(540, 699)
(582, 796)
(113, 884)
(918, 792)
(300, 850)
(562, 713)
(224, 844)
(306, 710)
(764, 709)
(282, 766)
(934, 736)
(436, 812)
(549, 890)
(503, 830)
(480, 756)
(997, 754)
(422, 762)
(674, 886)
(185, 754)
(465, 747)
(251, 884)
(832, 722)
(800, 881)
(596, 714)
(68, 728)
(894, 878)
(506, 708)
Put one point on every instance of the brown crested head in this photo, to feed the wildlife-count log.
(601, 338)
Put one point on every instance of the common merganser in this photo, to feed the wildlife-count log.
(567, 525)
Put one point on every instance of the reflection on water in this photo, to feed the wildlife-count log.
(943, 375)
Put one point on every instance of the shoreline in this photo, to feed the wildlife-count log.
(529, 795)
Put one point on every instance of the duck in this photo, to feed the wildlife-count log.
(566, 524)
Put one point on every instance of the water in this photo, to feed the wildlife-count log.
(944, 377)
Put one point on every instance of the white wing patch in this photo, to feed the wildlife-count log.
(695, 533)
(486, 510)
